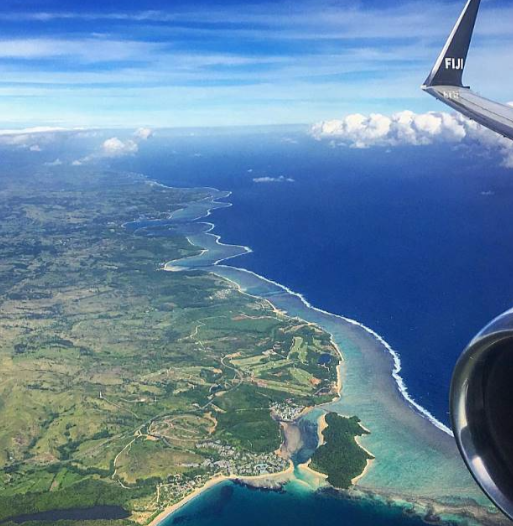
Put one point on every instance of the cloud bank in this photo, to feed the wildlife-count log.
(41, 139)
(281, 179)
(114, 147)
(409, 128)
(33, 139)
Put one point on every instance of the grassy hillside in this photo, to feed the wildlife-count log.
(122, 383)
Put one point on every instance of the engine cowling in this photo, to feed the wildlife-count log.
(482, 410)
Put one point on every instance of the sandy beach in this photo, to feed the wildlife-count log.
(268, 481)
(355, 480)
(321, 426)
(174, 507)
(258, 481)
(321, 478)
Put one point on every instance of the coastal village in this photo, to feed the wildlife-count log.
(235, 462)
(230, 462)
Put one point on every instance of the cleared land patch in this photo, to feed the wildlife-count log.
(123, 384)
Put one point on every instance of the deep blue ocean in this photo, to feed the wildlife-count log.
(416, 243)
(228, 504)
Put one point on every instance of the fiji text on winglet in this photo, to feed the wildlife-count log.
(454, 63)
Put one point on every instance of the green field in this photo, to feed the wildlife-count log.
(115, 374)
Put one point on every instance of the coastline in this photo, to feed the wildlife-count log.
(258, 481)
(321, 426)
(368, 466)
(382, 485)
(241, 250)
(320, 477)
(175, 507)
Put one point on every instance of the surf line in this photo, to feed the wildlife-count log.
(214, 204)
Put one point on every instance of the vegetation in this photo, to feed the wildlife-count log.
(120, 522)
(340, 457)
(84, 494)
(115, 374)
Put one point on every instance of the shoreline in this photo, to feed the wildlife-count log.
(401, 386)
(370, 461)
(320, 477)
(264, 480)
(396, 360)
(321, 423)
(197, 492)
(252, 284)
(321, 426)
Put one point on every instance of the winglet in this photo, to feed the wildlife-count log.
(448, 69)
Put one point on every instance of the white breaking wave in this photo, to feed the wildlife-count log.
(395, 355)
(401, 385)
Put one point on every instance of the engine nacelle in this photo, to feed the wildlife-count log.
(482, 410)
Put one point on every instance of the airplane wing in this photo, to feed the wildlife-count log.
(445, 80)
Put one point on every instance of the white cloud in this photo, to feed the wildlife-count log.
(408, 128)
(31, 131)
(87, 50)
(34, 139)
(37, 138)
(115, 147)
(28, 138)
(143, 134)
(281, 179)
(347, 19)
(287, 83)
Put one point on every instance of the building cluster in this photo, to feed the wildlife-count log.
(232, 461)
(178, 487)
(286, 412)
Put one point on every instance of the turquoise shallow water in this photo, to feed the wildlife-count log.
(416, 459)
(426, 463)
(414, 242)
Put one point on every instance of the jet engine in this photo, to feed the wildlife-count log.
(482, 410)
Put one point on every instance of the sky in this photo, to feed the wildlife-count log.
(159, 63)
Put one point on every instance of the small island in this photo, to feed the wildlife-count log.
(339, 456)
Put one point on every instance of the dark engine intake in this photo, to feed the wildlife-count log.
(482, 410)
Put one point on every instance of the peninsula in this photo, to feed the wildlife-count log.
(123, 385)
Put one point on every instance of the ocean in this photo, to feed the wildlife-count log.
(231, 504)
(415, 243)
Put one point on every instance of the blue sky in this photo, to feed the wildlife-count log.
(172, 63)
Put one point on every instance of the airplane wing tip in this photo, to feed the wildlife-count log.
(448, 69)
(445, 80)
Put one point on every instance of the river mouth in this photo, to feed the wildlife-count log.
(87, 514)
